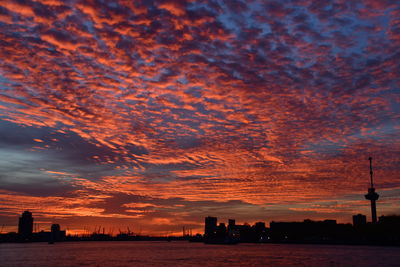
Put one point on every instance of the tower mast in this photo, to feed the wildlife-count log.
(370, 172)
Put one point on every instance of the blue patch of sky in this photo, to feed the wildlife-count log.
(89, 26)
(327, 27)
(183, 80)
(92, 30)
(247, 19)
(5, 83)
(19, 165)
(324, 146)
(112, 4)
(51, 49)
(380, 132)
(396, 105)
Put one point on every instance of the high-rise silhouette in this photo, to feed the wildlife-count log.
(210, 227)
(25, 225)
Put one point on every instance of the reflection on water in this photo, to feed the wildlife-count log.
(193, 254)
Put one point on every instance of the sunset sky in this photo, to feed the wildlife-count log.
(155, 114)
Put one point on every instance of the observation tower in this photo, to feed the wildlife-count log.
(372, 195)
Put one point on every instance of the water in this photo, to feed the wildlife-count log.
(193, 254)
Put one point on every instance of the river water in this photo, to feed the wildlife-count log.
(179, 253)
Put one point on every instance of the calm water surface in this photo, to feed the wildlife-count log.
(193, 254)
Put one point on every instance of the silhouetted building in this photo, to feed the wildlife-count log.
(259, 229)
(391, 225)
(260, 232)
(310, 231)
(233, 233)
(231, 224)
(25, 225)
(221, 231)
(359, 220)
(56, 233)
(243, 233)
(390, 219)
(260, 226)
(55, 228)
(210, 228)
(372, 195)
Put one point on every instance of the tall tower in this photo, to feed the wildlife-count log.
(372, 195)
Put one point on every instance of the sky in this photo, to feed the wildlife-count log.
(155, 114)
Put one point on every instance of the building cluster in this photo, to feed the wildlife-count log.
(233, 233)
(26, 234)
(386, 231)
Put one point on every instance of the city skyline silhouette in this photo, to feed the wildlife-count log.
(384, 232)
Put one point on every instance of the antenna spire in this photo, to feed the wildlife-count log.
(371, 172)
